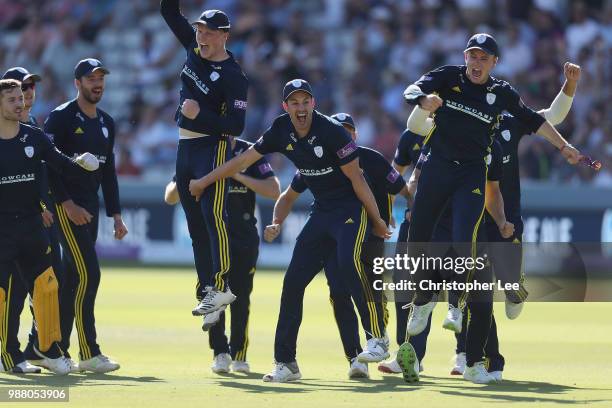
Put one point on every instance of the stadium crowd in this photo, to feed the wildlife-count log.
(359, 55)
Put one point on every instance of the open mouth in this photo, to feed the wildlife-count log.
(97, 91)
(203, 48)
(301, 118)
(476, 73)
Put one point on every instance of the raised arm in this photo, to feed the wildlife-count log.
(561, 105)
(171, 12)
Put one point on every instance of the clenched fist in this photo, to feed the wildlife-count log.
(190, 109)
(430, 102)
(271, 232)
(572, 71)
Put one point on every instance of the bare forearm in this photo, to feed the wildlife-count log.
(282, 208)
(269, 188)
(494, 203)
(569, 88)
(552, 135)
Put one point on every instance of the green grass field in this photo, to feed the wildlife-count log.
(556, 354)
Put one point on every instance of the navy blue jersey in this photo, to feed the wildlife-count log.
(220, 88)
(509, 134)
(408, 148)
(43, 174)
(20, 159)
(241, 199)
(464, 124)
(317, 156)
(74, 133)
(494, 173)
(382, 178)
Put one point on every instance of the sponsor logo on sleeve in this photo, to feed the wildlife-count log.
(392, 176)
(265, 168)
(347, 150)
(238, 104)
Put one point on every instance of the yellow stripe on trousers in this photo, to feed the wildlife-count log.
(82, 271)
(4, 328)
(241, 355)
(367, 291)
(474, 249)
(219, 222)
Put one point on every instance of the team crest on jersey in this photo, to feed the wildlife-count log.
(214, 76)
(506, 135)
(105, 132)
(29, 151)
(488, 159)
(318, 150)
(491, 98)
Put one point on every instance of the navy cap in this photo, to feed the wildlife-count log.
(485, 42)
(87, 66)
(214, 19)
(296, 85)
(20, 74)
(344, 119)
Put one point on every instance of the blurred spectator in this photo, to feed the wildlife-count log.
(358, 54)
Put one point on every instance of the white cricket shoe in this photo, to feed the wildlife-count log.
(497, 375)
(283, 372)
(212, 318)
(221, 363)
(25, 368)
(74, 367)
(376, 350)
(241, 367)
(358, 369)
(453, 320)
(419, 317)
(390, 367)
(460, 363)
(409, 363)
(513, 310)
(99, 364)
(478, 374)
(213, 300)
(60, 365)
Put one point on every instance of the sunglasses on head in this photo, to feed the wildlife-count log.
(25, 87)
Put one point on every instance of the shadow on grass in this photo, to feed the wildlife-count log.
(90, 379)
(510, 391)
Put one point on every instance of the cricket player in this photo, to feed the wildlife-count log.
(213, 103)
(19, 292)
(75, 127)
(24, 244)
(258, 178)
(467, 102)
(327, 157)
(384, 182)
(507, 265)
